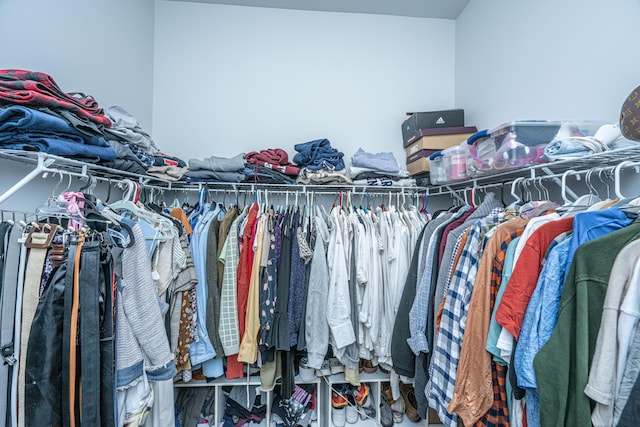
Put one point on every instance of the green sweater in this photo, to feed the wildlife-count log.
(562, 365)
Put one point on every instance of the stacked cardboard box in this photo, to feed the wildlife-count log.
(429, 141)
(427, 132)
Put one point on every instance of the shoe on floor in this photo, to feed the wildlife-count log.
(338, 416)
(364, 399)
(397, 408)
(387, 394)
(306, 373)
(338, 409)
(351, 412)
(386, 416)
(410, 402)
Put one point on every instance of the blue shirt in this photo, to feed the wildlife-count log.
(591, 225)
(201, 350)
(542, 313)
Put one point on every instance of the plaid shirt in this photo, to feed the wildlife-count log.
(473, 401)
(32, 88)
(448, 341)
(228, 327)
(498, 414)
(460, 243)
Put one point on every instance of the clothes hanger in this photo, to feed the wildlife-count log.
(580, 204)
(624, 202)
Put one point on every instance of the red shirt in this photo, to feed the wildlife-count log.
(513, 306)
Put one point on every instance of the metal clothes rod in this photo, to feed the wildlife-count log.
(44, 163)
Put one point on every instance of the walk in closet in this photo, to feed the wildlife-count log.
(146, 288)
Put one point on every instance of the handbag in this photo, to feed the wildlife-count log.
(630, 116)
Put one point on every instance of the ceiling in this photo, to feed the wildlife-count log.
(446, 9)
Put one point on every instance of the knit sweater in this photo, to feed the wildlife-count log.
(141, 340)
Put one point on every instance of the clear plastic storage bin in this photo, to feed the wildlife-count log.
(437, 173)
(519, 143)
(455, 162)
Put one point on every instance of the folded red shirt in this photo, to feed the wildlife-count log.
(39, 89)
(273, 158)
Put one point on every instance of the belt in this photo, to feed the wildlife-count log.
(73, 334)
(89, 332)
(22, 264)
(66, 334)
(11, 260)
(107, 342)
(38, 243)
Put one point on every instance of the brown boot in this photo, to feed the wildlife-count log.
(410, 402)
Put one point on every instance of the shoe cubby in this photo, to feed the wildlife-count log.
(374, 381)
(324, 386)
(222, 389)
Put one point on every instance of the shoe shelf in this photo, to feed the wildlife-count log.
(374, 381)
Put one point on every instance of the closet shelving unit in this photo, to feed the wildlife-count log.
(553, 171)
(42, 164)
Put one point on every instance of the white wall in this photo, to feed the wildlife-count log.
(103, 49)
(230, 79)
(546, 59)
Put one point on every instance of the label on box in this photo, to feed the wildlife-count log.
(414, 149)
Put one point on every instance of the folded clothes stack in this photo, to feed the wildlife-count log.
(270, 166)
(273, 158)
(607, 137)
(36, 115)
(320, 163)
(36, 89)
(378, 169)
(128, 138)
(39, 116)
(323, 177)
(318, 154)
(265, 175)
(23, 128)
(217, 169)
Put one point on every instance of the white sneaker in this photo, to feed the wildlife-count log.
(306, 373)
(338, 416)
(351, 414)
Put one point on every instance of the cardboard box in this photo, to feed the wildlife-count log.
(439, 142)
(419, 166)
(421, 153)
(430, 120)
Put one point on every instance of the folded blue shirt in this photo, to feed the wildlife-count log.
(55, 146)
(318, 154)
(384, 162)
(19, 119)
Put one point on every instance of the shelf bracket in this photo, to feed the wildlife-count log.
(42, 166)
